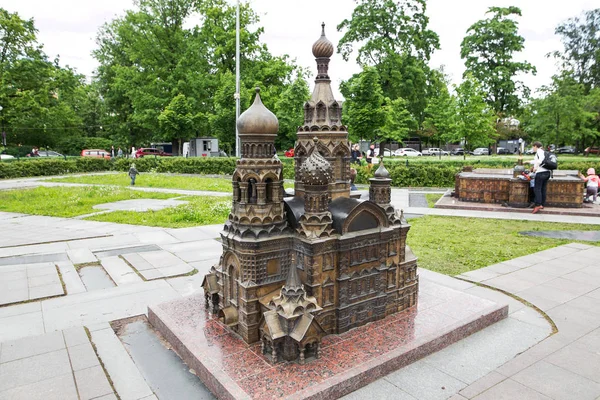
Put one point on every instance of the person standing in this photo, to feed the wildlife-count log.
(542, 175)
(133, 172)
(120, 153)
(112, 152)
(355, 155)
(371, 154)
(132, 151)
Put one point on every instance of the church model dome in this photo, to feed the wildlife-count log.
(382, 172)
(258, 120)
(316, 170)
(322, 48)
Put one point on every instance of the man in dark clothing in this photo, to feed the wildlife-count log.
(371, 154)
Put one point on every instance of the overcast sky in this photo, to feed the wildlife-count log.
(68, 28)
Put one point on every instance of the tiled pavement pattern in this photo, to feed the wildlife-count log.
(24, 282)
(157, 264)
(502, 361)
(61, 365)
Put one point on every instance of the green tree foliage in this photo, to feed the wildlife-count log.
(289, 111)
(475, 120)
(488, 51)
(363, 111)
(394, 38)
(581, 54)
(39, 98)
(150, 57)
(399, 122)
(559, 116)
(441, 115)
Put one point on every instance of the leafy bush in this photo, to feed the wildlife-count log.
(411, 174)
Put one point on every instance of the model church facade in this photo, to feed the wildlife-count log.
(295, 269)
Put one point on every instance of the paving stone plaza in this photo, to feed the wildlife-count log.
(60, 335)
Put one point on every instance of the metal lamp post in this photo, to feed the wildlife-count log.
(237, 78)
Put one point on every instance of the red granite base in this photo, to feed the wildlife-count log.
(231, 369)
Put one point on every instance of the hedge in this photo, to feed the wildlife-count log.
(411, 174)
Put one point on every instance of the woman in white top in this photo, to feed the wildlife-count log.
(542, 175)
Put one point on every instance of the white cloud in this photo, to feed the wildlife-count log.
(69, 28)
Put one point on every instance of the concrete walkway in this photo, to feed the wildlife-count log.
(518, 358)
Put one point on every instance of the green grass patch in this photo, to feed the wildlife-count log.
(201, 210)
(453, 245)
(154, 180)
(67, 201)
(432, 198)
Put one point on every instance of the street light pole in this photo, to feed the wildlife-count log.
(237, 78)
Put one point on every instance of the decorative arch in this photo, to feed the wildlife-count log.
(321, 112)
(365, 216)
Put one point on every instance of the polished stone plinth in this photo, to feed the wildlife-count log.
(231, 369)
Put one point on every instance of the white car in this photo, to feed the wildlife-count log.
(434, 151)
(6, 157)
(407, 152)
(386, 152)
(481, 151)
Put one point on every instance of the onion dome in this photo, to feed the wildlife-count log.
(381, 172)
(258, 120)
(316, 170)
(322, 48)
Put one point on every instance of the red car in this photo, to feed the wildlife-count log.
(289, 153)
(96, 153)
(143, 152)
(591, 150)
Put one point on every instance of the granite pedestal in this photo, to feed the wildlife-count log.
(231, 369)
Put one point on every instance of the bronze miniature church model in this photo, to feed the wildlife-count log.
(295, 269)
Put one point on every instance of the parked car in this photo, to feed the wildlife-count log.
(6, 157)
(459, 151)
(407, 152)
(481, 151)
(566, 150)
(289, 153)
(146, 151)
(434, 151)
(591, 150)
(502, 150)
(49, 153)
(95, 153)
(386, 152)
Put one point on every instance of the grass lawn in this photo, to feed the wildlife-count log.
(453, 245)
(67, 201)
(201, 210)
(432, 198)
(155, 180)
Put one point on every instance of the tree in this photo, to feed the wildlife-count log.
(363, 111)
(398, 120)
(441, 117)
(385, 27)
(289, 111)
(177, 120)
(150, 56)
(581, 40)
(559, 115)
(475, 120)
(395, 39)
(488, 51)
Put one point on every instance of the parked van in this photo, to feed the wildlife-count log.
(95, 153)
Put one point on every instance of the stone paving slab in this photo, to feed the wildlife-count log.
(157, 264)
(119, 271)
(25, 282)
(56, 365)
